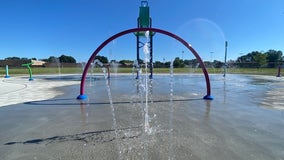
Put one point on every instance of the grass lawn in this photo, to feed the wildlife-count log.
(43, 70)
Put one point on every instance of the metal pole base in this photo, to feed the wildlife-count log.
(82, 97)
(208, 97)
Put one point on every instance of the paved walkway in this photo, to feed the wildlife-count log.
(15, 90)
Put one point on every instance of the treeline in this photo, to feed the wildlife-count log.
(17, 61)
(62, 59)
(14, 61)
(255, 59)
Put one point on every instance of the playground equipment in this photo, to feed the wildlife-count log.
(7, 72)
(144, 21)
(30, 70)
(135, 30)
(144, 25)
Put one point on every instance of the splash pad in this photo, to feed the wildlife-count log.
(82, 95)
(146, 98)
(177, 124)
(182, 124)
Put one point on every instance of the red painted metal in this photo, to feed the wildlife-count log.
(134, 30)
(279, 72)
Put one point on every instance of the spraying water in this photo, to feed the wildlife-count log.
(115, 67)
(146, 52)
(171, 109)
(136, 68)
(92, 74)
(111, 105)
(58, 66)
(96, 61)
(83, 66)
(112, 111)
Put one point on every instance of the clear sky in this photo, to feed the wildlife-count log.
(43, 28)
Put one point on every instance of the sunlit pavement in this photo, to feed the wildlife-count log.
(240, 123)
(15, 90)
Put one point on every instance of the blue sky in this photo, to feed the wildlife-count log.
(43, 28)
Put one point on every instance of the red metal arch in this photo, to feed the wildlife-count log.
(134, 30)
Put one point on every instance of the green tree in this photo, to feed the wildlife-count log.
(167, 64)
(66, 59)
(158, 64)
(52, 59)
(274, 58)
(102, 59)
(125, 61)
(250, 60)
(178, 63)
(260, 59)
(218, 64)
(12, 58)
(191, 63)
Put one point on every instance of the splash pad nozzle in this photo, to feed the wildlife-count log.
(30, 70)
(7, 72)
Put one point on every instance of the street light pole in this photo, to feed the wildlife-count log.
(225, 61)
(211, 57)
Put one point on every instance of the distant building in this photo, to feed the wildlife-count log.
(38, 63)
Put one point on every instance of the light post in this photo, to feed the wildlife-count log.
(225, 61)
(211, 56)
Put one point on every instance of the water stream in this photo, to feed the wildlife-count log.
(146, 51)
(171, 110)
(111, 107)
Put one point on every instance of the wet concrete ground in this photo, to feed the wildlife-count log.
(244, 121)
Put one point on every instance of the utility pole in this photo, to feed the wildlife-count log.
(225, 61)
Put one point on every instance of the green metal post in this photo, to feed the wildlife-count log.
(30, 70)
(144, 21)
